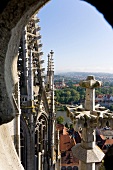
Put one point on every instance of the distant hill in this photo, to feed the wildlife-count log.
(84, 74)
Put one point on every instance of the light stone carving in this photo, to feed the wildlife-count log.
(89, 118)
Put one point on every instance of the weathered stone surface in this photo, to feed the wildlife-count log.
(8, 157)
(90, 83)
(88, 155)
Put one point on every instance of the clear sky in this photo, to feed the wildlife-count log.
(80, 37)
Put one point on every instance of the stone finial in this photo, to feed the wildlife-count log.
(90, 82)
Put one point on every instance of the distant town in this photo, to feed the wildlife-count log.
(69, 94)
(68, 90)
(75, 77)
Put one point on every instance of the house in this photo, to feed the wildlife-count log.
(108, 143)
(67, 141)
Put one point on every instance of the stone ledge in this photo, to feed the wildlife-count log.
(88, 155)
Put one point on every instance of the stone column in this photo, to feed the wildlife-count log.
(58, 163)
(18, 125)
(87, 152)
(90, 84)
(30, 112)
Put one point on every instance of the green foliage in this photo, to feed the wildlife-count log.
(61, 108)
(102, 167)
(60, 120)
(106, 84)
(67, 95)
(111, 107)
(73, 94)
(104, 90)
(70, 83)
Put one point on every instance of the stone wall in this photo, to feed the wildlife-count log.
(8, 157)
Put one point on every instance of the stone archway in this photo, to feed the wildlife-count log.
(41, 141)
(14, 16)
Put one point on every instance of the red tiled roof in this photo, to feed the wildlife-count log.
(76, 85)
(66, 142)
(108, 142)
(59, 127)
(100, 96)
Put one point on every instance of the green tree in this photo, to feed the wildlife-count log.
(68, 93)
(110, 90)
(60, 120)
(111, 107)
(106, 84)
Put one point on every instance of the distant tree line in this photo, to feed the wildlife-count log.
(69, 95)
(76, 95)
(105, 90)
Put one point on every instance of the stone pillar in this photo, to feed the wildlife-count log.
(30, 112)
(17, 119)
(87, 152)
(50, 70)
(58, 164)
(18, 125)
(90, 99)
(90, 84)
(39, 160)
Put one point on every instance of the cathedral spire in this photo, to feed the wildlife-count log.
(50, 70)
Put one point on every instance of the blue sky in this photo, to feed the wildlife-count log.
(80, 37)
